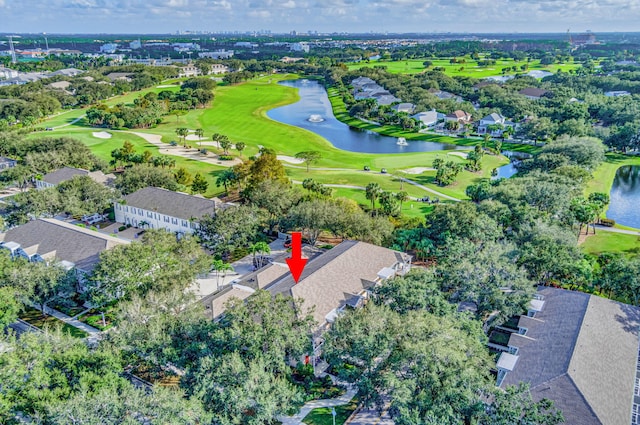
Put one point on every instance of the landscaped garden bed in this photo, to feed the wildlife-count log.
(315, 388)
(37, 319)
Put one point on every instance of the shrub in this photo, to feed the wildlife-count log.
(225, 157)
(122, 228)
(607, 222)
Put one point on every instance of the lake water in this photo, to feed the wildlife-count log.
(625, 196)
(313, 112)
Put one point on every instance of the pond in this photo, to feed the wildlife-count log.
(507, 171)
(313, 112)
(625, 196)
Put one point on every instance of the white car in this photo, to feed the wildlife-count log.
(92, 219)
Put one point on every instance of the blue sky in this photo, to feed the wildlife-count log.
(162, 16)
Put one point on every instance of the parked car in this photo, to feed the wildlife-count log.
(287, 242)
(93, 218)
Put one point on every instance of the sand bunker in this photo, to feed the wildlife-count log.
(460, 154)
(194, 137)
(102, 135)
(417, 170)
(290, 159)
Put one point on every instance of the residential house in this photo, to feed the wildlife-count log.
(444, 95)
(482, 84)
(67, 72)
(300, 47)
(494, 119)
(459, 116)
(407, 108)
(385, 99)
(332, 280)
(533, 93)
(218, 54)
(158, 208)
(616, 93)
(61, 85)
(189, 70)
(54, 178)
(218, 68)
(429, 118)
(125, 76)
(51, 240)
(6, 163)
(580, 351)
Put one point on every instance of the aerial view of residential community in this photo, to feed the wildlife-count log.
(312, 212)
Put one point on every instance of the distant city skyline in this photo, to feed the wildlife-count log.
(283, 16)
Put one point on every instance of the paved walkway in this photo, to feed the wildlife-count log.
(210, 284)
(435, 192)
(93, 332)
(70, 123)
(309, 406)
(615, 230)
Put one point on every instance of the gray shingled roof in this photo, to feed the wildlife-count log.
(329, 281)
(69, 243)
(533, 92)
(63, 174)
(580, 351)
(173, 204)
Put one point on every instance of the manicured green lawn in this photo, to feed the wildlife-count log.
(469, 69)
(604, 241)
(35, 317)
(410, 209)
(323, 416)
(239, 112)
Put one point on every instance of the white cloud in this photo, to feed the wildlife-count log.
(324, 15)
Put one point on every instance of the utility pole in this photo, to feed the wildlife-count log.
(13, 50)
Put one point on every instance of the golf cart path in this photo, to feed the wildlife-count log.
(70, 123)
(166, 148)
(614, 230)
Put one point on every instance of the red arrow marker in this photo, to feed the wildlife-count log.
(296, 262)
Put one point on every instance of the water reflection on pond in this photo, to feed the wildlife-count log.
(313, 112)
(625, 196)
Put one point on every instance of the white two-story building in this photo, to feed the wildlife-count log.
(157, 208)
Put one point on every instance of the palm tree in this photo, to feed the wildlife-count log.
(240, 147)
(225, 178)
(224, 143)
(261, 248)
(373, 191)
(401, 197)
(200, 134)
(182, 132)
(220, 266)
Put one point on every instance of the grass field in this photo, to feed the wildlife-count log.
(611, 242)
(323, 416)
(469, 69)
(34, 317)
